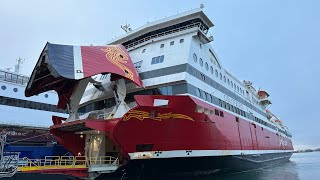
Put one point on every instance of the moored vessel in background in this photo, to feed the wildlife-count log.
(26, 121)
(157, 101)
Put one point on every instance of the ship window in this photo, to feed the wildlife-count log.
(231, 108)
(220, 103)
(162, 45)
(231, 84)
(203, 95)
(199, 93)
(171, 43)
(235, 87)
(201, 62)
(195, 57)
(216, 73)
(200, 46)
(228, 82)
(211, 112)
(181, 40)
(206, 111)
(144, 50)
(137, 64)
(224, 78)
(207, 66)
(221, 114)
(157, 60)
(199, 109)
(211, 98)
(216, 112)
(211, 69)
(15, 89)
(238, 88)
(220, 75)
(3, 87)
(237, 119)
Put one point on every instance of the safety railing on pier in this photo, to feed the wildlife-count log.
(65, 162)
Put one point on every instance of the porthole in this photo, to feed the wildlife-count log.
(201, 62)
(3, 87)
(211, 69)
(46, 95)
(15, 89)
(207, 66)
(195, 57)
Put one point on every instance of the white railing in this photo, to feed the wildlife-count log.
(198, 24)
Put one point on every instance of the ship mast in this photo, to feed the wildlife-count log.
(17, 67)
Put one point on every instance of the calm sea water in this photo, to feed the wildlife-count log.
(302, 166)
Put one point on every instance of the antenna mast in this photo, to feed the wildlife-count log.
(17, 67)
(126, 28)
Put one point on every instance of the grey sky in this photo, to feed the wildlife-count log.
(273, 43)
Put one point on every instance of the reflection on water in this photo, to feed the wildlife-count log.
(302, 166)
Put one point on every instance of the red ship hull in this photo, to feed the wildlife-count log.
(175, 138)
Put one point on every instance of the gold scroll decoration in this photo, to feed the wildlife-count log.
(119, 58)
(141, 115)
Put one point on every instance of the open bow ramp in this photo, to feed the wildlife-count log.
(61, 67)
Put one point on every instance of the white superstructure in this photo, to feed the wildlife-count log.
(174, 56)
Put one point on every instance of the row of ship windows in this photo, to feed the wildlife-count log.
(3, 87)
(29, 104)
(208, 97)
(162, 45)
(218, 75)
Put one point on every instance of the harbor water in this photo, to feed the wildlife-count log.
(302, 166)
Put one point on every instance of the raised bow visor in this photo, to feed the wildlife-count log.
(61, 67)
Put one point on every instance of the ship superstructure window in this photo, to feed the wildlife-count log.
(201, 62)
(200, 46)
(181, 40)
(211, 69)
(198, 93)
(171, 43)
(224, 78)
(144, 50)
(216, 73)
(207, 66)
(157, 60)
(231, 84)
(228, 82)
(162, 45)
(195, 59)
(167, 90)
(138, 64)
(220, 76)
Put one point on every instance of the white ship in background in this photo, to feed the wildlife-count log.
(25, 120)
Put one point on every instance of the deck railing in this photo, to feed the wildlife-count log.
(13, 78)
(198, 24)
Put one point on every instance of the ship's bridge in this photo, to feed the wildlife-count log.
(194, 20)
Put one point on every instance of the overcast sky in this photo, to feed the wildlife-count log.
(273, 43)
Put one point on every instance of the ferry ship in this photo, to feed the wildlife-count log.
(157, 101)
(26, 121)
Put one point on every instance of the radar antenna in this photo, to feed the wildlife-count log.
(126, 28)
